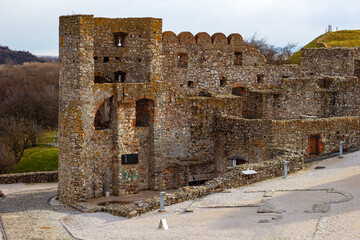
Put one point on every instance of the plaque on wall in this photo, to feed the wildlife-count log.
(129, 159)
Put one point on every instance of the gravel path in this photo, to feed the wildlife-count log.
(310, 204)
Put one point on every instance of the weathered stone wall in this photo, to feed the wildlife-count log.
(76, 75)
(262, 140)
(241, 137)
(295, 98)
(31, 177)
(294, 134)
(211, 64)
(330, 61)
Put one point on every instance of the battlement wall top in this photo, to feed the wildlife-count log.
(202, 38)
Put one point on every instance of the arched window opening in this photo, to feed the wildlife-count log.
(103, 115)
(183, 60)
(238, 58)
(119, 76)
(144, 112)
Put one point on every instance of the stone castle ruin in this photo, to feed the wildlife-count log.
(163, 110)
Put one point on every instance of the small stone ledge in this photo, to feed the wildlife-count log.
(31, 177)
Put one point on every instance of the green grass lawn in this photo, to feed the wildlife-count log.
(344, 38)
(37, 159)
(43, 157)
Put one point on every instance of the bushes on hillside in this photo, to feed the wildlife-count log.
(29, 96)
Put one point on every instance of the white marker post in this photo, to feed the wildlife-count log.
(163, 224)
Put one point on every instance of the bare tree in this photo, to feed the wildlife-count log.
(17, 134)
(7, 161)
(272, 54)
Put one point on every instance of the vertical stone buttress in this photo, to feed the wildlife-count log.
(76, 73)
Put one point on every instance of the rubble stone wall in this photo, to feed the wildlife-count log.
(330, 61)
(31, 177)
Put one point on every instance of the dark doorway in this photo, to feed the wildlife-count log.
(144, 112)
(314, 142)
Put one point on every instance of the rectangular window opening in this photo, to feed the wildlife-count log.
(183, 60)
(238, 58)
(119, 39)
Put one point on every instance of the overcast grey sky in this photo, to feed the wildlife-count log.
(32, 25)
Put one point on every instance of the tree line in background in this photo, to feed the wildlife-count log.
(29, 97)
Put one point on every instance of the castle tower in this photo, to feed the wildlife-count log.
(109, 77)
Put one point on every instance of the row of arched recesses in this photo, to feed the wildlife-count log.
(106, 113)
(118, 77)
(183, 59)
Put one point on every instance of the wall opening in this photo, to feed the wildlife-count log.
(190, 84)
(106, 59)
(144, 112)
(238, 91)
(238, 58)
(119, 76)
(223, 81)
(314, 143)
(325, 82)
(357, 68)
(260, 78)
(119, 39)
(103, 115)
(101, 79)
(183, 60)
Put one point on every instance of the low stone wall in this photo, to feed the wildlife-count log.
(31, 177)
(232, 179)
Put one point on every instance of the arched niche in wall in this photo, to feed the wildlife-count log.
(104, 114)
(144, 112)
(119, 77)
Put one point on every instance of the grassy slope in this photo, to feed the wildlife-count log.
(344, 38)
(36, 159)
(40, 158)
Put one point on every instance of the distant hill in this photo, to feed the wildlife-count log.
(12, 57)
(344, 38)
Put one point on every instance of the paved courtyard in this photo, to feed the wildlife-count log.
(310, 204)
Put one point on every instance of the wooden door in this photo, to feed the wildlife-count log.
(314, 144)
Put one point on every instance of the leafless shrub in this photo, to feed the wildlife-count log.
(272, 54)
(17, 134)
